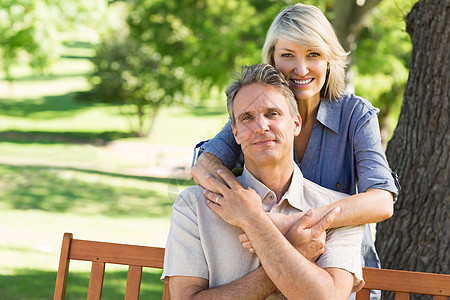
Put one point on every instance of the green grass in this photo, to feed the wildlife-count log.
(41, 285)
(68, 166)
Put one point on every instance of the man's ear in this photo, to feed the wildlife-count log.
(297, 125)
(235, 133)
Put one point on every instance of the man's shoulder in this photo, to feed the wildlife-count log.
(191, 195)
(332, 194)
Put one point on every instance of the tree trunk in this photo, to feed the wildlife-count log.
(348, 20)
(417, 237)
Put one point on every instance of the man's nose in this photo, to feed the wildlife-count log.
(262, 125)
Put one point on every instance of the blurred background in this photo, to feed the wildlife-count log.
(102, 103)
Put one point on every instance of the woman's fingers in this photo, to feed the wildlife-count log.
(325, 222)
(213, 197)
(229, 178)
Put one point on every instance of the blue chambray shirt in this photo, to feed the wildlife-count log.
(344, 153)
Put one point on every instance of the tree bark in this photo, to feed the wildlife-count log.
(348, 21)
(417, 237)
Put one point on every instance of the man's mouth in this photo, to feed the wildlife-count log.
(264, 142)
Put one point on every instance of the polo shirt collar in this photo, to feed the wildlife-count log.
(248, 180)
(329, 114)
(294, 194)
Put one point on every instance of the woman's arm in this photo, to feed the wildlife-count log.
(372, 206)
(206, 166)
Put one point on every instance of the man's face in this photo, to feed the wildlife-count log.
(264, 128)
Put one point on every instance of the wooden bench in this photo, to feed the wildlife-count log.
(404, 283)
(100, 253)
(401, 282)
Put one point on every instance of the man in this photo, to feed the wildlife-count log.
(204, 257)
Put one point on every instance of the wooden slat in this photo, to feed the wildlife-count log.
(440, 298)
(134, 278)
(96, 281)
(117, 253)
(63, 268)
(363, 294)
(407, 282)
(401, 296)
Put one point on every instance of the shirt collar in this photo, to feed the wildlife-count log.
(294, 194)
(248, 180)
(329, 114)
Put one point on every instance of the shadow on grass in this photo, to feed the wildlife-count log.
(47, 107)
(46, 77)
(205, 111)
(47, 137)
(56, 189)
(33, 284)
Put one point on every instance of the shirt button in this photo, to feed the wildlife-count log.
(338, 185)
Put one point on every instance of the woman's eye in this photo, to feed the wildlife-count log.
(314, 54)
(286, 55)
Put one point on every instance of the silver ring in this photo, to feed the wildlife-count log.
(217, 199)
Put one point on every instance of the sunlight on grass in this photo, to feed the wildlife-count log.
(22, 248)
(72, 166)
(85, 192)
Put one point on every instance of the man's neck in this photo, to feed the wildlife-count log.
(276, 177)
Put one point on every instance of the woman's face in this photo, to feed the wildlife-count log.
(305, 69)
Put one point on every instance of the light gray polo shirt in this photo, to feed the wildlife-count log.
(201, 244)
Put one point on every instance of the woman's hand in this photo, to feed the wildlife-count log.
(207, 165)
(310, 241)
(234, 204)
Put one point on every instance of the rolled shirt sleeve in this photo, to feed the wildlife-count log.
(371, 164)
(342, 250)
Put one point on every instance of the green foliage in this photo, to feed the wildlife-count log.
(381, 60)
(33, 29)
(175, 52)
(130, 72)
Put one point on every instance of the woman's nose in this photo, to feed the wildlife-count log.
(301, 67)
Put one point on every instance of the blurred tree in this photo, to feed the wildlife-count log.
(381, 60)
(175, 52)
(418, 236)
(207, 40)
(134, 75)
(31, 29)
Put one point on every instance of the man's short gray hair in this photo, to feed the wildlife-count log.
(264, 74)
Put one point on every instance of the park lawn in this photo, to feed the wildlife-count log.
(68, 166)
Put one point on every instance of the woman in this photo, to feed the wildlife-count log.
(339, 146)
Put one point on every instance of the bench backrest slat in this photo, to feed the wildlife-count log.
(137, 257)
(405, 283)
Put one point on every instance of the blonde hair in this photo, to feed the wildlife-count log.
(264, 74)
(307, 26)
